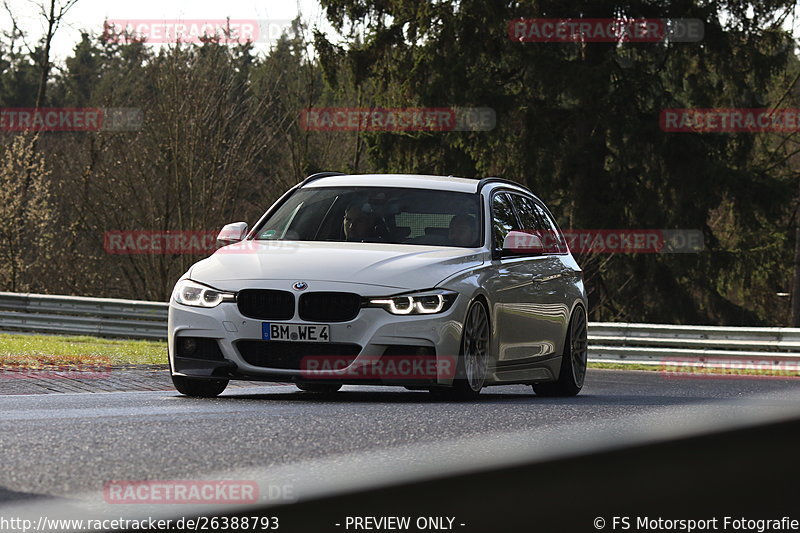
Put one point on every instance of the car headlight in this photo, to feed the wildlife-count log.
(188, 292)
(422, 303)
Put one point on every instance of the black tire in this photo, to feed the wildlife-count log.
(200, 388)
(326, 388)
(473, 361)
(573, 362)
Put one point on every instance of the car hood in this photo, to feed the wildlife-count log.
(386, 265)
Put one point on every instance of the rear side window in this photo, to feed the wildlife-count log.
(558, 245)
(528, 217)
(535, 219)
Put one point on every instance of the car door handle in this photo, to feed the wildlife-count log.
(542, 279)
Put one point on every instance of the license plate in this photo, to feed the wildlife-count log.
(295, 332)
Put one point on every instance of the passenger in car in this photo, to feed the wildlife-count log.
(462, 231)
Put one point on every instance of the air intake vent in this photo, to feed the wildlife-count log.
(329, 306)
(289, 355)
(266, 304)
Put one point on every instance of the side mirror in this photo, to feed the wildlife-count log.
(522, 243)
(232, 233)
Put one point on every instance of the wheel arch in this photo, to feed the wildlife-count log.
(481, 296)
(578, 303)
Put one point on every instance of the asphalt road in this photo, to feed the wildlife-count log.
(65, 445)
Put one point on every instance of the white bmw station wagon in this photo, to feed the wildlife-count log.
(433, 283)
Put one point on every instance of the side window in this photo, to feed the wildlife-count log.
(528, 216)
(552, 238)
(503, 219)
(535, 220)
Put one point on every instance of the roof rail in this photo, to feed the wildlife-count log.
(486, 181)
(319, 175)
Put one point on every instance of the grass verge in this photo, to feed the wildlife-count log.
(41, 351)
(678, 370)
(37, 351)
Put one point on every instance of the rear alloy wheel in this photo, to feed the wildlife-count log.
(201, 388)
(473, 363)
(573, 362)
(326, 388)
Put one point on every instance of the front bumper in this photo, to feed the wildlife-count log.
(377, 333)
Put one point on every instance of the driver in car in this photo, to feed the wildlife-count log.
(360, 223)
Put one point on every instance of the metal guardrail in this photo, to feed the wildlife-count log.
(102, 317)
(608, 341)
(656, 343)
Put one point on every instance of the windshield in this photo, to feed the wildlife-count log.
(377, 215)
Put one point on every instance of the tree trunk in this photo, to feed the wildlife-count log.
(796, 282)
(45, 63)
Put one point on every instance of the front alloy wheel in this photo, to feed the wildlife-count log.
(573, 361)
(473, 363)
